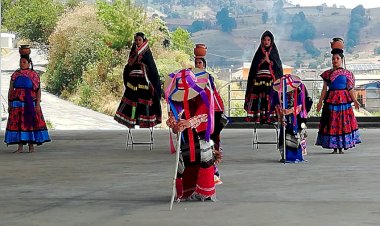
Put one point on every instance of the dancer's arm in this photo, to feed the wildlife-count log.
(322, 97)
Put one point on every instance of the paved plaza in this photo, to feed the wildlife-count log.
(86, 177)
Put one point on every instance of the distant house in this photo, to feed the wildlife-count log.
(151, 12)
(368, 95)
(7, 40)
(364, 68)
(203, 13)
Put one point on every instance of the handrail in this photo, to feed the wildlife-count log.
(369, 103)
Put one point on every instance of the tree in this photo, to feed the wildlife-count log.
(71, 4)
(122, 19)
(76, 43)
(302, 29)
(359, 10)
(226, 22)
(221, 15)
(33, 19)
(5, 5)
(181, 40)
(357, 21)
(278, 5)
(197, 25)
(280, 17)
(308, 45)
(279, 12)
(264, 17)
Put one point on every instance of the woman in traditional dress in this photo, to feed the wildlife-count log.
(292, 115)
(266, 67)
(140, 104)
(220, 119)
(190, 101)
(26, 123)
(338, 128)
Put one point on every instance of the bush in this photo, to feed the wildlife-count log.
(75, 43)
(88, 71)
(30, 20)
(170, 61)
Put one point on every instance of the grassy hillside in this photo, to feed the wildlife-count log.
(239, 46)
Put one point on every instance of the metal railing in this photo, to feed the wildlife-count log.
(233, 96)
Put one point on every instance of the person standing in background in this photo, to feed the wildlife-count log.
(266, 67)
(338, 128)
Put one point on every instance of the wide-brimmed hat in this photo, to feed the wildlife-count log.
(292, 82)
(174, 87)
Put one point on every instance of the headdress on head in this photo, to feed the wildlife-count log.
(292, 82)
(288, 83)
(174, 86)
(184, 85)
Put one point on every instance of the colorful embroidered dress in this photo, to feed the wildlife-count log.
(259, 89)
(140, 104)
(26, 123)
(338, 127)
(299, 104)
(195, 176)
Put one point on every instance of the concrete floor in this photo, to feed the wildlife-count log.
(88, 178)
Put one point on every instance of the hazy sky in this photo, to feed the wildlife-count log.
(347, 3)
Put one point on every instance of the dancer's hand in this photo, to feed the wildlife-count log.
(182, 125)
(357, 105)
(218, 156)
(266, 58)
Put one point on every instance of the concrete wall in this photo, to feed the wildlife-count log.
(7, 40)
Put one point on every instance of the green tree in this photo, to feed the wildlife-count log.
(357, 22)
(359, 10)
(278, 5)
(308, 45)
(74, 45)
(302, 29)
(5, 5)
(122, 19)
(181, 40)
(226, 22)
(33, 19)
(71, 4)
(197, 25)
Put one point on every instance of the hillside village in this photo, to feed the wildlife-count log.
(231, 53)
(238, 47)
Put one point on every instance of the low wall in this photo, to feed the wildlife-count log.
(312, 122)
